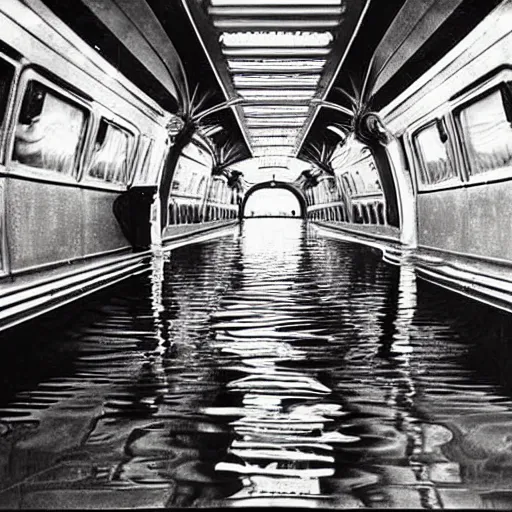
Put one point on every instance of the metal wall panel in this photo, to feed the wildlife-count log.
(49, 223)
(44, 223)
(490, 229)
(442, 219)
(101, 229)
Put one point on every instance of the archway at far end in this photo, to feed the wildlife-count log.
(283, 206)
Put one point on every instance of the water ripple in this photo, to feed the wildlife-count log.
(273, 368)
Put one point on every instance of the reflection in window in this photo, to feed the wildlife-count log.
(49, 131)
(111, 154)
(144, 173)
(435, 163)
(487, 134)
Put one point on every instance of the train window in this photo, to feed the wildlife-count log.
(144, 172)
(201, 187)
(432, 149)
(191, 184)
(49, 131)
(380, 213)
(487, 133)
(111, 154)
(347, 184)
(403, 151)
(173, 214)
(358, 219)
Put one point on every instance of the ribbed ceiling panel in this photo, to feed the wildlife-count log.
(276, 52)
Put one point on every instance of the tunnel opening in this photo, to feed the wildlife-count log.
(273, 199)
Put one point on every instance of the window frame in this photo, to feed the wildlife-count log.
(497, 83)
(9, 107)
(114, 120)
(454, 182)
(15, 168)
(146, 149)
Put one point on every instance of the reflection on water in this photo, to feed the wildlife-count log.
(267, 368)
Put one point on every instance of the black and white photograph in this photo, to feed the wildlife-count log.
(255, 254)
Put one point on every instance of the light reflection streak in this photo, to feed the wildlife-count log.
(283, 446)
(402, 390)
(157, 276)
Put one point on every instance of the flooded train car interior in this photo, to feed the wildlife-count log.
(255, 253)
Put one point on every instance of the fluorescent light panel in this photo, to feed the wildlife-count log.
(286, 94)
(269, 141)
(276, 39)
(280, 10)
(274, 151)
(283, 65)
(257, 51)
(276, 80)
(274, 23)
(282, 110)
(270, 122)
(258, 132)
(274, 2)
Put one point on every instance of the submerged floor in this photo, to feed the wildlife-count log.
(270, 367)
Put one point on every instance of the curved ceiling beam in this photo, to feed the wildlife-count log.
(342, 48)
(211, 48)
(135, 25)
(334, 106)
(340, 133)
(219, 108)
(416, 21)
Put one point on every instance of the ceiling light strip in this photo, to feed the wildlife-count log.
(276, 52)
(257, 24)
(275, 39)
(277, 65)
(275, 123)
(278, 80)
(255, 3)
(312, 10)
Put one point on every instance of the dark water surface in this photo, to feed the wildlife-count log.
(265, 368)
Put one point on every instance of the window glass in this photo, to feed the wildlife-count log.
(487, 134)
(348, 185)
(214, 190)
(49, 131)
(433, 152)
(146, 161)
(191, 183)
(110, 158)
(201, 187)
(358, 180)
